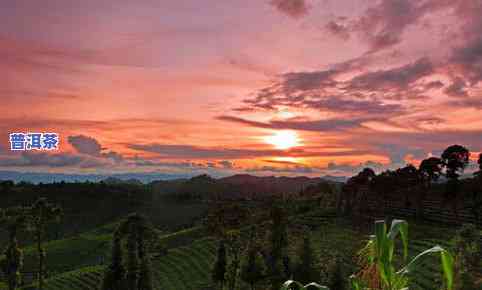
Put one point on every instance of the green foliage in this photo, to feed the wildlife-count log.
(468, 257)
(379, 267)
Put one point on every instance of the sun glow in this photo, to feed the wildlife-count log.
(283, 139)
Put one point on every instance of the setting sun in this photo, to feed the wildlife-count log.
(283, 139)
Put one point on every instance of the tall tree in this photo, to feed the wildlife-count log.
(115, 274)
(455, 158)
(219, 269)
(305, 270)
(13, 219)
(145, 274)
(279, 242)
(42, 214)
(253, 268)
(138, 232)
(233, 239)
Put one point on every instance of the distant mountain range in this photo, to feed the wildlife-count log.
(238, 186)
(148, 177)
(36, 177)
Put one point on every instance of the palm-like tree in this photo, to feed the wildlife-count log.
(455, 158)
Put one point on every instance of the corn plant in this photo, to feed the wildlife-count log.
(379, 270)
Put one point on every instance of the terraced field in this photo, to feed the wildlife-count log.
(182, 268)
(190, 257)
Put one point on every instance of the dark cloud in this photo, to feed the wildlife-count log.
(194, 152)
(90, 146)
(396, 78)
(457, 88)
(398, 153)
(468, 59)
(373, 108)
(85, 145)
(474, 102)
(290, 169)
(292, 8)
(305, 125)
(338, 29)
(349, 169)
(382, 25)
(30, 159)
(226, 164)
(364, 94)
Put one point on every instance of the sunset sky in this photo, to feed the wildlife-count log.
(266, 87)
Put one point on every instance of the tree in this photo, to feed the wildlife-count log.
(279, 242)
(479, 161)
(115, 274)
(234, 245)
(145, 274)
(42, 213)
(336, 279)
(13, 219)
(430, 170)
(455, 158)
(253, 268)
(305, 270)
(219, 269)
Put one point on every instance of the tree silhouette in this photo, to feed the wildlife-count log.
(13, 219)
(455, 158)
(253, 268)
(115, 274)
(305, 271)
(138, 232)
(279, 242)
(430, 170)
(42, 213)
(219, 270)
(479, 162)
